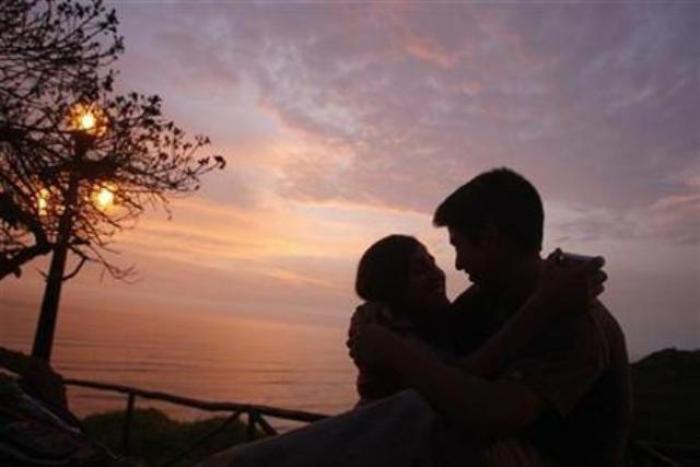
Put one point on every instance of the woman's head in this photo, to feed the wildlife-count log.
(399, 270)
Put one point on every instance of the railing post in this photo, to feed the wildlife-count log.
(252, 416)
(126, 429)
(265, 425)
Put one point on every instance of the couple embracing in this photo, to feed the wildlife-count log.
(525, 368)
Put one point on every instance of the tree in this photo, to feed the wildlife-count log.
(50, 55)
(78, 163)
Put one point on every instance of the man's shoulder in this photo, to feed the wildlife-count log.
(609, 332)
(602, 316)
(599, 322)
(592, 337)
(592, 320)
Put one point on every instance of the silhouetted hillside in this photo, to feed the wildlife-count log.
(667, 399)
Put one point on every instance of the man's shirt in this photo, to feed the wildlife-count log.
(577, 365)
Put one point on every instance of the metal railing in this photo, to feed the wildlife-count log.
(255, 414)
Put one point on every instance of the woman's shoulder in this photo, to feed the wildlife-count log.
(381, 313)
(472, 300)
(371, 312)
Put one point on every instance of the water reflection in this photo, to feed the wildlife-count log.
(194, 355)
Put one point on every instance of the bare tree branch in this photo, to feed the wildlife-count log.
(83, 259)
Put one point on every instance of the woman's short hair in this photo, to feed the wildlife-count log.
(382, 273)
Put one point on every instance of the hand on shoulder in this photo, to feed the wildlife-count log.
(570, 282)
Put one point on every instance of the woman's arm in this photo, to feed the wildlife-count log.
(484, 408)
(370, 383)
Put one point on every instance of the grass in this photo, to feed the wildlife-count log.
(156, 438)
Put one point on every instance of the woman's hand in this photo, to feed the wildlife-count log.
(372, 345)
(570, 285)
(366, 314)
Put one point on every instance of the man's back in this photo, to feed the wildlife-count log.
(578, 365)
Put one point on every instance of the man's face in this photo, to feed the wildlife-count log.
(477, 260)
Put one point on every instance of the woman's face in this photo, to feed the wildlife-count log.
(425, 288)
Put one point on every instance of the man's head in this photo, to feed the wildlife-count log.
(494, 220)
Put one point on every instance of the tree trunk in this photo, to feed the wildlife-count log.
(43, 339)
(46, 326)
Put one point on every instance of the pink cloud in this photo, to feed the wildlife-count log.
(424, 48)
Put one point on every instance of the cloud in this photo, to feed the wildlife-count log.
(670, 219)
(398, 104)
(585, 102)
(677, 217)
(424, 48)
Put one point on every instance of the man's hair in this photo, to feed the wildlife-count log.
(499, 197)
(382, 273)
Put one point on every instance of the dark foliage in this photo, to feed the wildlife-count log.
(156, 438)
(666, 391)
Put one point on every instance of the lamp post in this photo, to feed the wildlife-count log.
(86, 126)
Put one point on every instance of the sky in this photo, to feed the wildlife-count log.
(343, 122)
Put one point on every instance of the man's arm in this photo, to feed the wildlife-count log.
(488, 360)
(484, 408)
(561, 290)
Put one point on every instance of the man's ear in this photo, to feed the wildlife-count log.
(489, 236)
(492, 239)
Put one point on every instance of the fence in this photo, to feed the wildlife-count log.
(255, 413)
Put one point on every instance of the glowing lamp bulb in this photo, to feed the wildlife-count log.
(43, 201)
(87, 121)
(104, 198)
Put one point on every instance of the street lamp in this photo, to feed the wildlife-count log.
(104, 197)
(86, 122)
(88, 119)
(42, 201)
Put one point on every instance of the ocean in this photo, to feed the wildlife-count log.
(203, 356)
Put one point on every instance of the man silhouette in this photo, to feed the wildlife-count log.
(567, 391)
